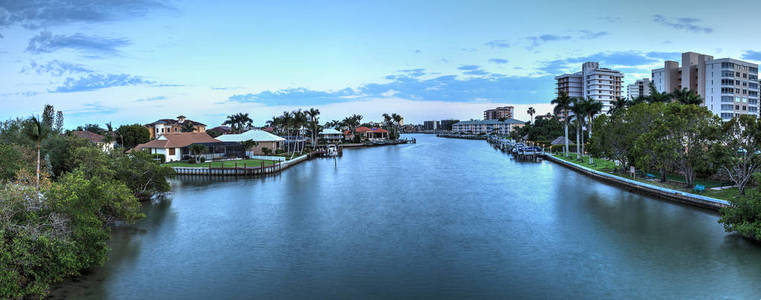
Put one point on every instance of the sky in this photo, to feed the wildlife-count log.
(137, 61)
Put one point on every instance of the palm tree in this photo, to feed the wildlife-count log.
(388, 122)
(563, 104)
(187, 127)
(37, 132)
(656, 96)
(686, 96)
(619, 105)
(238, 122)
(299, 119)
(579, 109)
(109, 137)
(314, 123)
(592, 108)
(397, 123)
(531, 111)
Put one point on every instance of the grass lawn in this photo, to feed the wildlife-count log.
(608, 166)
(227, 164)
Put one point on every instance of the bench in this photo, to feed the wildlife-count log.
(650, 176)
(699, 188)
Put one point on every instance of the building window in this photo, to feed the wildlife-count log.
(726, 106)
(726, 115)
(171, 151)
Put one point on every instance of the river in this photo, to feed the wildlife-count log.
(443, 218)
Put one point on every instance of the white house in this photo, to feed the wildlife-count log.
(262, 138)
(174, 145)
(331, 135)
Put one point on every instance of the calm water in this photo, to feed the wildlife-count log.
(442, 218)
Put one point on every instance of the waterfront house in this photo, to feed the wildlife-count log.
(96, 139)
(262, 138)
(165, 126)
(487, 126)
(330, 135)
(175, 146)
(372, 133)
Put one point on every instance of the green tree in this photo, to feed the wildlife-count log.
(579, 109)
(619, 105)
(313, 123)
(59, 152)
(531, 111)
(684, 134)
(738, 148)
(133, 135)
(144, 176)
(94, 128)
(563, 106)
(11, 162)
(657, 97)
(744, 215)
(187, 127)
(239, 122)
(686, 96)
(36, 132)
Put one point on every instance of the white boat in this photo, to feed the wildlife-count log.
(332, 150)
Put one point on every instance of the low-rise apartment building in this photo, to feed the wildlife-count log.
(487, 126)
(639, 88)
(503, 112)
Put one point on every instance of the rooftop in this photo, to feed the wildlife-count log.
(91, 136)
(255, 135)
(178, 140)
(173, 121)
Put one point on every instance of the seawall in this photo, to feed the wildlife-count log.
(645, 188)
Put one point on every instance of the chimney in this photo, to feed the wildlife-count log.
(181, 119)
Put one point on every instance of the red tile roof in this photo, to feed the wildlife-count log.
(178, 140)
(91, 136)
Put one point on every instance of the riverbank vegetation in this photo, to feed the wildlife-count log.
(671, 141)
(59, 197)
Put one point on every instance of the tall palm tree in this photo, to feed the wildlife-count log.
(299, 120)
(397, 123)
(592, 108)
(388, 122)
(619, 105)
(531, 111)
(109, 137)
(238, 122)
(656, 96)
(313, 123)
(686, 96)
(36, 131)
(563, 105)
(579, 111)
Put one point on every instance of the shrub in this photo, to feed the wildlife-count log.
(202, 159)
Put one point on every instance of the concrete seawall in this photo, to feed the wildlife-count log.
(645, 188)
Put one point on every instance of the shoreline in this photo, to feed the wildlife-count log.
(695, 200)
(258, 171)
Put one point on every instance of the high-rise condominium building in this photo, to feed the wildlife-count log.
(640, 87)
(729, 87)
(600, 84)
(504, 112)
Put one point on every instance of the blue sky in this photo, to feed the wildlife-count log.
(138, 61)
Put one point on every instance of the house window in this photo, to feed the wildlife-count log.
(171, 151)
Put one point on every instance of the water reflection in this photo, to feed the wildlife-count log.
(440, 218)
